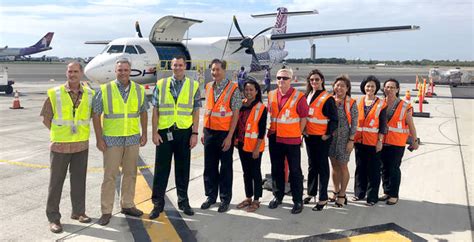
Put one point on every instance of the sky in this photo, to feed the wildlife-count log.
(447, 26)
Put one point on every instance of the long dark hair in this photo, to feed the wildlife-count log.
(249, 81)
(309, 88)
(346, 80)
(397, 84)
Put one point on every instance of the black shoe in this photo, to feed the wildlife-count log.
(186, 209)
(133, 211)
(274, 203)
(223, 207)
(207, 203)
(340, 205)
(307, 199)
(297, 208)
(384, 198)
(319, 206)
(155, 213)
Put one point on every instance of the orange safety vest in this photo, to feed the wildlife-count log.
(285, 122)
(251, 129)
(397, 127)
(218, 115)
(348, 102)
(368, 127)
(317, 122)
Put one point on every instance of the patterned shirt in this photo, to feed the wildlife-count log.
(236, 99)
(98, 108)
(48, 113)
(175, 88)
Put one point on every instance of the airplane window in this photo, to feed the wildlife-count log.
(140, 49)
(130, 49)
(115, 49)
(105, 49)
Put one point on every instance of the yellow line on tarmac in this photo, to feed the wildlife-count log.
(159, 229)
(388, 236)
(38, 166)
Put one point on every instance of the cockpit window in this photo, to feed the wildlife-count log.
(140, 49)
(105, 49)
(115, 49)
(130, 49)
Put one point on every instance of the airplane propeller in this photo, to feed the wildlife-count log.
(247, 42)
(137, 29)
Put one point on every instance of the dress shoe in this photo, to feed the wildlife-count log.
(207, 203)
(297, 208)
(223, 207)
(104, 219)
(320, 205)
(155, 213)
(186, 209)
(56, 227)
(82, 218)
(133, 211)
(274, 203)
(384, 198)
(307, 199)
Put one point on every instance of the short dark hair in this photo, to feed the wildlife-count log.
(252, 81)
(182, 57)
(370, 78)
(397, 84)
(222, 63)
(346, 80)
(309, 88)
(81, 68)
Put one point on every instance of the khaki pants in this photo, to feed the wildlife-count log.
(115, 157)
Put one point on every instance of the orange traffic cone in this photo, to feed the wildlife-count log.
(16, 101)
(408, 96)
(147, 87)
(296, 79)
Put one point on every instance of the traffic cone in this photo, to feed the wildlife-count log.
(16, 101)
(423, 92)
(296, 78)
(408, 96)
(147, 87)
(416, 84)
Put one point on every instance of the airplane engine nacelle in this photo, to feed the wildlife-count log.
(261, 44)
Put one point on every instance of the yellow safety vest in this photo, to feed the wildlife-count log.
(179, 112)
(65, 126)
(120, 118)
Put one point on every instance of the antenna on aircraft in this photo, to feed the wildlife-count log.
(137, 29)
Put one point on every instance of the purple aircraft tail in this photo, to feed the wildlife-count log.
(280, 28)
(45, 41)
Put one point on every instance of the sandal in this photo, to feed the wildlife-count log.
(340, 205)
(244, 203)
(356, 198)
(333, 198)
(253, 206)
(392, 202)
(308, 199)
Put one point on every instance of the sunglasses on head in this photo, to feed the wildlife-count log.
(282, 78)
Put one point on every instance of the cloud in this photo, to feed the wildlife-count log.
(128, 3)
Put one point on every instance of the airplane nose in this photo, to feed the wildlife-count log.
(92, 70)
(98, 70)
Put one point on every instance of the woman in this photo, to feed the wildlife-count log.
(400, 125)
(343, 138)
(251, 128)
(322, 121)
(372, 125)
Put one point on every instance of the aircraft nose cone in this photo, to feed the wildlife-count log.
(92, 71)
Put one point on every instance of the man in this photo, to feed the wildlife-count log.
(241, 77)
(175, 125)
(288, 111)
(267, 80)
(124, 107)
(222, 113)
(66, 113)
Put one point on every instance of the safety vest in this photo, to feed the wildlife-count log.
(348, 102)
(317, 122)
(218, 115)
(368, 127)
(120, 118)
(69, 126)
(285, 122)
(251, 129)
(179, 112)
(397, 127)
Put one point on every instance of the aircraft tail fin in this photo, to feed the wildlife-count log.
(45, 41)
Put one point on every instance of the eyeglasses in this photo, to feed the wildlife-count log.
(282, 78)
(314, 79)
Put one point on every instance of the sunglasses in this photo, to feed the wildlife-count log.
(282, 78)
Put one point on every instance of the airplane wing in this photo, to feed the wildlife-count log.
(339, 33)
(97, 42)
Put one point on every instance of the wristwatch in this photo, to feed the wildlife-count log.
(196, 133)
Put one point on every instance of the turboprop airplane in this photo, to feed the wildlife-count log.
(41, 45)
(151, 56)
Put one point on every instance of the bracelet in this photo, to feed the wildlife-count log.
(351, 140)
(196, 133)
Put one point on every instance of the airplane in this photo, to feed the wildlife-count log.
(40, 46)
(150, 56)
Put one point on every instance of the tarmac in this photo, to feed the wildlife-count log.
(436, 193)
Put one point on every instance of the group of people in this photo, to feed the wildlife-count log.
(331, 125)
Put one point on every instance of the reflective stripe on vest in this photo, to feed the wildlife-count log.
(398, 130)
(315, 125)
(68, 126)
(368, 127)
(251, 129)
(123, 119)
(218, 114)
(177, 112)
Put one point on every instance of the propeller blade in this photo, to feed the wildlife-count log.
(263, 31)
(238, 27)
(137, 29)
(241, 47)
(227, 40)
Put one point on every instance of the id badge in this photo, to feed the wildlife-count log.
(74, 129)
(371, 122)
(311, 111)
(248, 126)
(222, 111)
(287, 113)
(399, 124)
(169, 136)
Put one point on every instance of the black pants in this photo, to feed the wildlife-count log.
(391, 174)
(252, 173)
(367, 173)
(318, 166)
(217, 180)
(278, 152)
(179, 146)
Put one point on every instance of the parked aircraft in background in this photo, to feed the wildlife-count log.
(42, 45)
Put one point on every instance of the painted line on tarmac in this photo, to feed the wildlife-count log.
(382, 232)
(39, 166)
